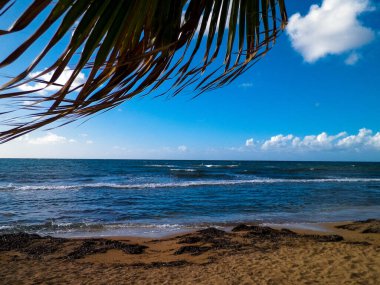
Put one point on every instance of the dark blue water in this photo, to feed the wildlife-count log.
(89, 197)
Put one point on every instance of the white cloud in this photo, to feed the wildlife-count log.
(332, 28)
(89, 142)
(249, 142)
(363, 140)
(321, 141)
(352, 59)
(246, 85)
(182, 148)
(375, 141)
(29, 103)
(277, 142)
(80, 79)
(360, 139)
(49, 138)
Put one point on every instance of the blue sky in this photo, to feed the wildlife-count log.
(315, 96)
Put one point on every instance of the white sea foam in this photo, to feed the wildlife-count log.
(5, 227)
(219, 165)
(50, 187)
(159, 165)
(183, 169)
(194, 183)
(69, 227)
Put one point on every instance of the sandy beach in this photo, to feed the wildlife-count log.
(344, 253)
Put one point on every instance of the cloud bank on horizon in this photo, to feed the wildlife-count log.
(364, 140)
(331, 29)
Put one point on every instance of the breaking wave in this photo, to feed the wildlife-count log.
(184, 184)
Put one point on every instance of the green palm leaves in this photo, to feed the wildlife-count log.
(131, 47)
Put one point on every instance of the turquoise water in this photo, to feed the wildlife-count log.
(146, 197)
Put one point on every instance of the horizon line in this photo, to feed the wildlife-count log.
(171, 159)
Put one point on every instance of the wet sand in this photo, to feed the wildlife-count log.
(343, 253)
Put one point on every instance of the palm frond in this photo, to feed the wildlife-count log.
(128, 48)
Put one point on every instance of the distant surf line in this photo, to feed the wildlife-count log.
(184, 184)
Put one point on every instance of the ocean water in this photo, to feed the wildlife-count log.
(158, 197)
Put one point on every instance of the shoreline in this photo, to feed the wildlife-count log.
(317, 228)
(166, 231)
(345, 252)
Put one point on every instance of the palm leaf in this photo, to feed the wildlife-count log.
(128, 48)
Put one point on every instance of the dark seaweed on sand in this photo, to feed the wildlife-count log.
(37, 246)
(31, 244)
(95, 246)
(370, 226)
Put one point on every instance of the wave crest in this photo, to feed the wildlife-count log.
(185, 184)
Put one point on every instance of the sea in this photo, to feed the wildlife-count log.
(154, 198)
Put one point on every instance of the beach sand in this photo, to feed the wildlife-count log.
(344, 253)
